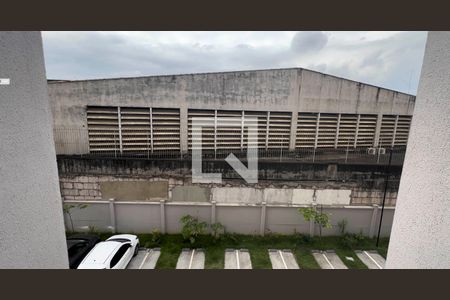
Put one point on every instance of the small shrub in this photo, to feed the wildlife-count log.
(360, 238)
(217, 230)
(92, 230)
(192, 228)
(350, 241)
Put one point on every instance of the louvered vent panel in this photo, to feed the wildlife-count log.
(402, 132)
(229, 128)
(347, 130)
(135, 124)
(261, 120)
(387, 131)
(366, 131)
(327, 130)
(306, 130)
(207, 127)
(103, 129)
(279, 130)
(166, 129)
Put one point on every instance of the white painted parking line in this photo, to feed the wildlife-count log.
(371, 259)
(237, 259)
(282, 259)
(145, 259)
(191, 259)
(328, 260)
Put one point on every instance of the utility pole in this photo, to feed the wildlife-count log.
(384, 196)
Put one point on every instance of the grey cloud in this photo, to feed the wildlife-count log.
(387, 62)
(308, 41)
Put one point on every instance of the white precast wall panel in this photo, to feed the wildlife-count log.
(31, 218)
(421, 230)
(333, 197)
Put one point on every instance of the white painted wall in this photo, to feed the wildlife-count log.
(286, 196)
(237, 195)
(333, 197)
(421, 230)
(31, 221)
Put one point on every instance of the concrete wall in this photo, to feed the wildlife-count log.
(421, 232)
(31, 220)
(81, 179)
(143, 217)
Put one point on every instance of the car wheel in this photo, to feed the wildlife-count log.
(136, 250)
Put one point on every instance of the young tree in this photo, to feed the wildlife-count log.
(320, 218)
(67, 209)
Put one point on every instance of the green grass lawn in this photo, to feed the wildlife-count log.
(301, 246)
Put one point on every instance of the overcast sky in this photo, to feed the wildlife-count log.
(389, 59)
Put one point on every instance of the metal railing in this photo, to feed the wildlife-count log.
(75, 141)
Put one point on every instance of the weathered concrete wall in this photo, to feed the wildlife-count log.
(81, 179)
(274, 90)
(239, 219)
(134, 190)
(31, 220)
(421, 232)
(143, 217)
(190, 194)
(137, 217)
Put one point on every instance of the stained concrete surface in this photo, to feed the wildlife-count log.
(191, 259)
(237, 259)
(282, 259)
(134, 190)
(190, 194)
(372, 259)
(145, 259)
(328, 259)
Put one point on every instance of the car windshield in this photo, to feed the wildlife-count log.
(121, 240)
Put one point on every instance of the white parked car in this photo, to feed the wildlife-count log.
(114, 253)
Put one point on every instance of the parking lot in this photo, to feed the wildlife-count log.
(241, 259)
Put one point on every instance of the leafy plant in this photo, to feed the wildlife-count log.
(349, 241)
(155, 236)
(305, 239)
(192, 228)
(319, 218)
(343, 226)
(67, 209)
(217, 230)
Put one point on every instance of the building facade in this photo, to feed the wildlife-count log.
(295, 109)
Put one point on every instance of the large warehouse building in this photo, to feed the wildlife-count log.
(295, 108)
